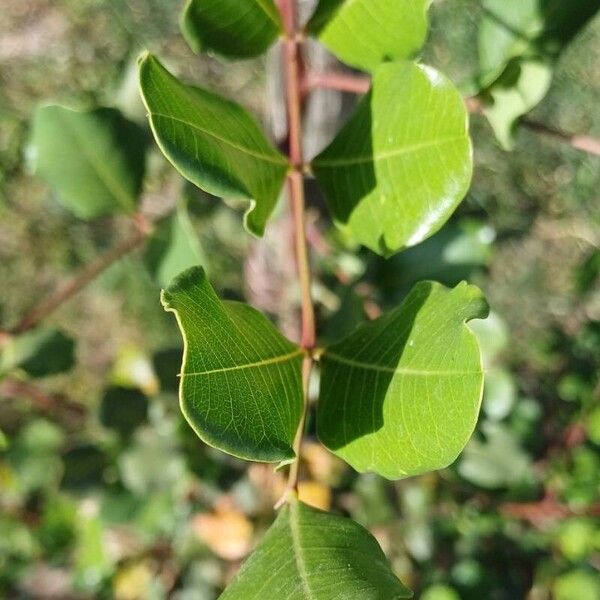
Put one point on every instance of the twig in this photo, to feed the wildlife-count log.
(360, 84)
(342, 82)
(546, 511)
(43, 401)
(87, 275)
(294, 77)
(583, 143)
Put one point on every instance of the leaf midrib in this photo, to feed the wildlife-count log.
(394, 370)
(387, 154)
(264, 157)
(260, 363)
(297, 548)
(112, 185)
(267, 11)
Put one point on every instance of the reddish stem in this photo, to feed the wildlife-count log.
(294, 77)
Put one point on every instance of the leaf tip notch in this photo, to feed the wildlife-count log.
(182, 284)
(474, 302)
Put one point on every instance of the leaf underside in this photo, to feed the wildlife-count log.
(95, 160)
(401, 395)
(212, 142)
(312, 555)
(233, 28)
(402, 164)
(241, 384)
(364, 33)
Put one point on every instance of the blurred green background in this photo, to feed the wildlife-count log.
(105, 492)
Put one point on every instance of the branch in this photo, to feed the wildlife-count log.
(360, 84)
(342, 82)
(51, 404)
(544, 512)
(294, 92)
(64, 293)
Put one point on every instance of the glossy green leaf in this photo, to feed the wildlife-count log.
(241, 385)
(364, 33)
(401, 395)
(520, 89)
(402, 164)
(310, 554)
(213, 142)
(173, 247)
(95, 160)
(40, 353)
(234, 28)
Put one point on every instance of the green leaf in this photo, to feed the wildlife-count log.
(528, 28)
(580, 584)
(312, 554)
(497, 462)
(173, 247)
(507, 31)
(402, 164)
(95, 160)
(40, 353)
(213, 142)
(401, 395)
(233, 28)
(521, 88)
(123, 409)
(241, 385)
(363, 33)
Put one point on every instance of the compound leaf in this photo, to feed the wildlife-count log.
(212, 142)
(363, 33)
(233, 28)
(312, 554)
(241, 385)
(402, 164)
(95, 160)
(401, 395)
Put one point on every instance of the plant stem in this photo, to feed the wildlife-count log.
(293, 74)
(341, 82)
(87, 275)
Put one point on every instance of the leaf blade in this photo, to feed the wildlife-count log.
(221, 27)
(94, 159)
(249, 400)
(213, 142)
(364, 34)
(308, 553)
(395, 403)
(398, 170)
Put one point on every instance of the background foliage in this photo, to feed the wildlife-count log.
(100, 502)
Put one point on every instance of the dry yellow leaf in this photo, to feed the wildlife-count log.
(315, 494)
(227, 532)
